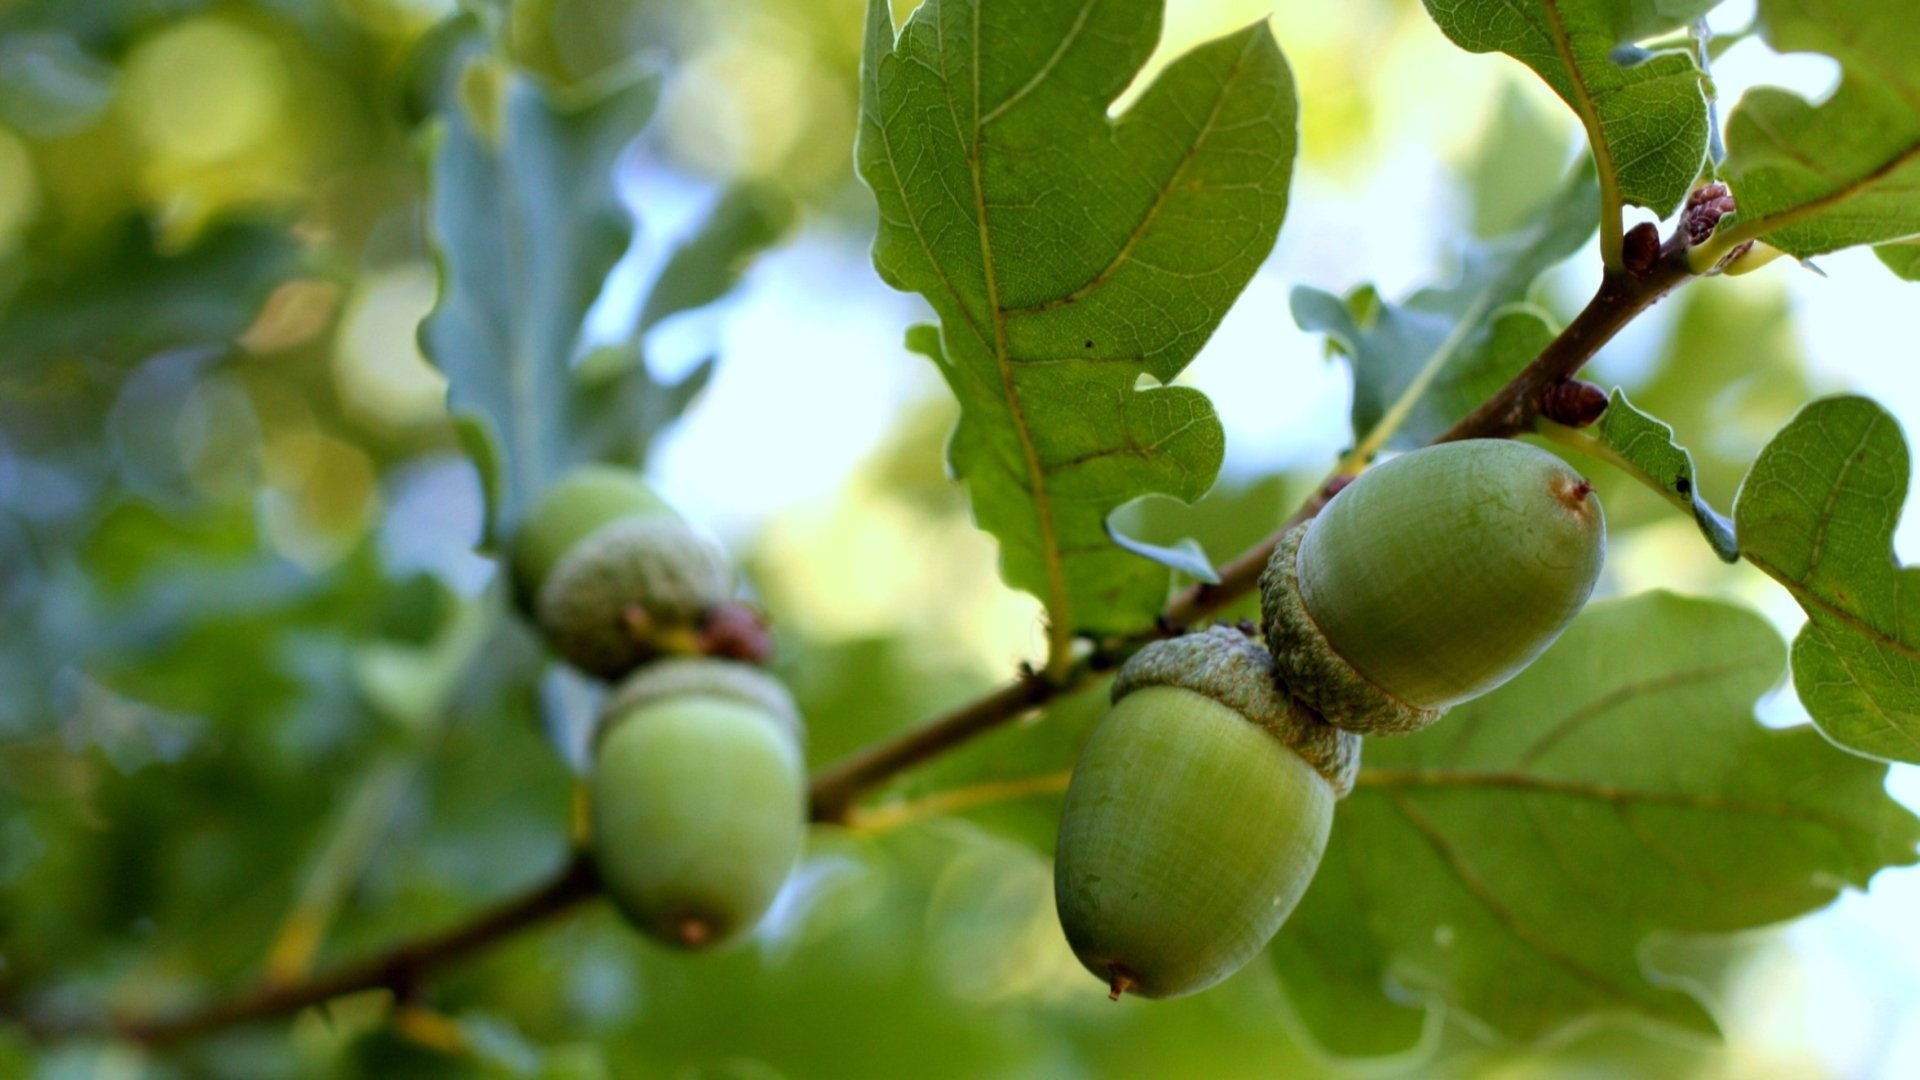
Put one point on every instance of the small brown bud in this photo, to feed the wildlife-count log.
(735, 631)
(1640, 248)
(1575, 403)
(1706, 205)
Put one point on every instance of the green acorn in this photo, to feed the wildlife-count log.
(1196, 816)
(613, 576)
(1433, 578)
(698, 798)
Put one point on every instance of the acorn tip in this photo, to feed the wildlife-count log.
(1120, 984)
(693, 932)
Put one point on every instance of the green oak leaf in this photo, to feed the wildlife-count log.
(1645, 113)
(1644, 447)
(1510, 862)
(1817, 178)
(526, 225)
(1817, 514)
(1444, 351)
(1070, 256)
(1902, 258)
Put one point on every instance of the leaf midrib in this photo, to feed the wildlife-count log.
(1587, 109)
(1059, 621)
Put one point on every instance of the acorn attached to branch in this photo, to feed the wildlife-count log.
(1196, 816)
(698, 798)
(614, 577)
(1433, 578)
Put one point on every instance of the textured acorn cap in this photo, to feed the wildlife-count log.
(633, 590)
(1231, 668)
(1307, 663)
(665, 680)
(580, 503)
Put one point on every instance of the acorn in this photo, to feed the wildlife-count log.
(612, 575)
(1431, 579)
(698, 798)
(1196, 816)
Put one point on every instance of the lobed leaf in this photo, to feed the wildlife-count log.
(1421, 365)
(1814, 178)
(1645, 447)
(1817, 514)
(1511, 861)
(1071, 256)
(1644, 112)
(526, 225)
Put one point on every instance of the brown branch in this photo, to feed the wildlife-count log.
(401, 969)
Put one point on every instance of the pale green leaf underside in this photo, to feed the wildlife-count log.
(1645, 446)
(526, 229)
(1468, 338)
(1817, 513)
(1510, 861)
(1068, 255)
(1646, 121)
(1817, 178)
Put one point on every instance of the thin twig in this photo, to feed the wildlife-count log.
(401, 969)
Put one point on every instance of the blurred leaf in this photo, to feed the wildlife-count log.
(1068, 255)
(49, 87)
(1511, 861)
(621, 405)
(1902, 258)
(1517, 165)
(1644, 447)
(748, 219)
(128, 298)
(526, 225)
(1644, 112)
(1817, 513)
(1817, 178)
(1445, 350)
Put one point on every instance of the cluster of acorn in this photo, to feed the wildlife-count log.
(698, 783)
(1201, 804)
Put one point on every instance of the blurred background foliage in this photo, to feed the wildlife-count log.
(261, 703)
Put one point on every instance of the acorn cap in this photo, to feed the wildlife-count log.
(1308, 664)
(583, 501)
(1227, 666)
(665, 680)
(633, 590)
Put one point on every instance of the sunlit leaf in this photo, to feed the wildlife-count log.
(1511, 861)
(1817, 513)
(1069, 254)
(1644, 112)
(1817, 178)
